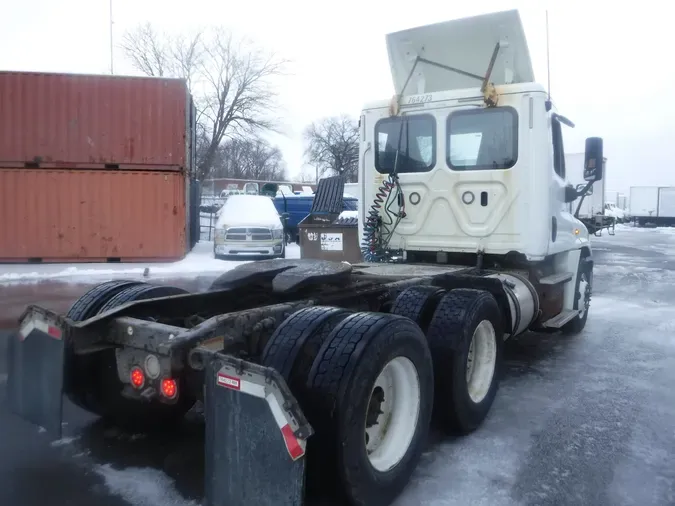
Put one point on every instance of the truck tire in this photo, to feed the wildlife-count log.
(140, 292)
(466, 341)
(374, 367)
(418, 303)
(294, 345)
(89, 304)
(583, 289)
(100, 392)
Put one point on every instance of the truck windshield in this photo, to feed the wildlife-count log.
(414, 137)
(482, 139)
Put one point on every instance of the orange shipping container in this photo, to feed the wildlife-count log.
(94, 121)
(91, 216)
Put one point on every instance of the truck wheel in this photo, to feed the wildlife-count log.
(418, 303)
(89, 304)
(466, 340)
(140, 292)
(294, 345)
(583, 289)
(372, 386)
(100, 393)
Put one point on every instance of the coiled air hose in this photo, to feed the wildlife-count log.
(376, 232)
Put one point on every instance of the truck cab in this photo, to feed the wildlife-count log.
(470, 177)
(466, 161)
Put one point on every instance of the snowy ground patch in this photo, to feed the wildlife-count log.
(199, 261)
(142, 486)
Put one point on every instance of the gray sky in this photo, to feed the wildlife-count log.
(611, 62)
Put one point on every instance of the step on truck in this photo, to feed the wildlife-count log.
(324, 378)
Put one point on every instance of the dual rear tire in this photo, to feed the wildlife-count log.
(371, 384)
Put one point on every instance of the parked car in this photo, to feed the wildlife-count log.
(249, 226)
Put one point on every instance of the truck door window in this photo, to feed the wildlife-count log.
(558, 148)
(414, 137)
(482, 139)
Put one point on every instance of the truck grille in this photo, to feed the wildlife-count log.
(248, 234)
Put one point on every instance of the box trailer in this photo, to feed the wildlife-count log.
(644, 204)
(666, 207)
(52, 215)
(95, 121)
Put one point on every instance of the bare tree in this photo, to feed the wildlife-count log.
(229, 79)
(333, 146)
(253, 159)
(307, 175)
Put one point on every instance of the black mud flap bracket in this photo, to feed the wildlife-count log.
(36, 367)
(256, 436)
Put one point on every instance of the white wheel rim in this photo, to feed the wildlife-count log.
(481, 361)
(393, 412)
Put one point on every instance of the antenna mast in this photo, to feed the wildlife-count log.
(548, 60)
(111, 38)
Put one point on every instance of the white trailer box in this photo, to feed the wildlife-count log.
(644, 201)
(594, 201)
(666, 207)
(622, 202)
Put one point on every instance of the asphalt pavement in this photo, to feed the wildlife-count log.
(586, 420)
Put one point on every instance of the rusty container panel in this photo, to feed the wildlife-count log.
(91, 215)
(93, 121)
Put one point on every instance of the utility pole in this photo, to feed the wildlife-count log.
(111, 38)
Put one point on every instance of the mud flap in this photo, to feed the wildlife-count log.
(256, 436)
(35, 375)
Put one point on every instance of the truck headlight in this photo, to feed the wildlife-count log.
(277, 233)
(220, 233)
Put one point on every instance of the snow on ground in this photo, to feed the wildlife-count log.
(141, 486)
(199, 261)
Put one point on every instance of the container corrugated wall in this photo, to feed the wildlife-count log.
(90, 121)
(91, 215)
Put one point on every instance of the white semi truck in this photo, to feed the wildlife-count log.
(323, 376)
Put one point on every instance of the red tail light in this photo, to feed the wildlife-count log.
(137, 377)
(169, 388)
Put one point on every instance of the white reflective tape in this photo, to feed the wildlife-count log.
(41, 325)
(26, 329)
(250, 388)
(276, 410)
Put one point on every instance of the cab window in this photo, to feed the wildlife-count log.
(482, 139)
(405, 144)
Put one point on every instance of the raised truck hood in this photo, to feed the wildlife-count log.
(466, 44)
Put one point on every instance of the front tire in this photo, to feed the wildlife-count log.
(583, 289)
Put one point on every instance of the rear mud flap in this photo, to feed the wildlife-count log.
(35, 379)
(255, 437)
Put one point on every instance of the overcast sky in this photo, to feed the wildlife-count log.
(611, 62)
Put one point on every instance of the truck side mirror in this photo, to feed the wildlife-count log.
(594, 162)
